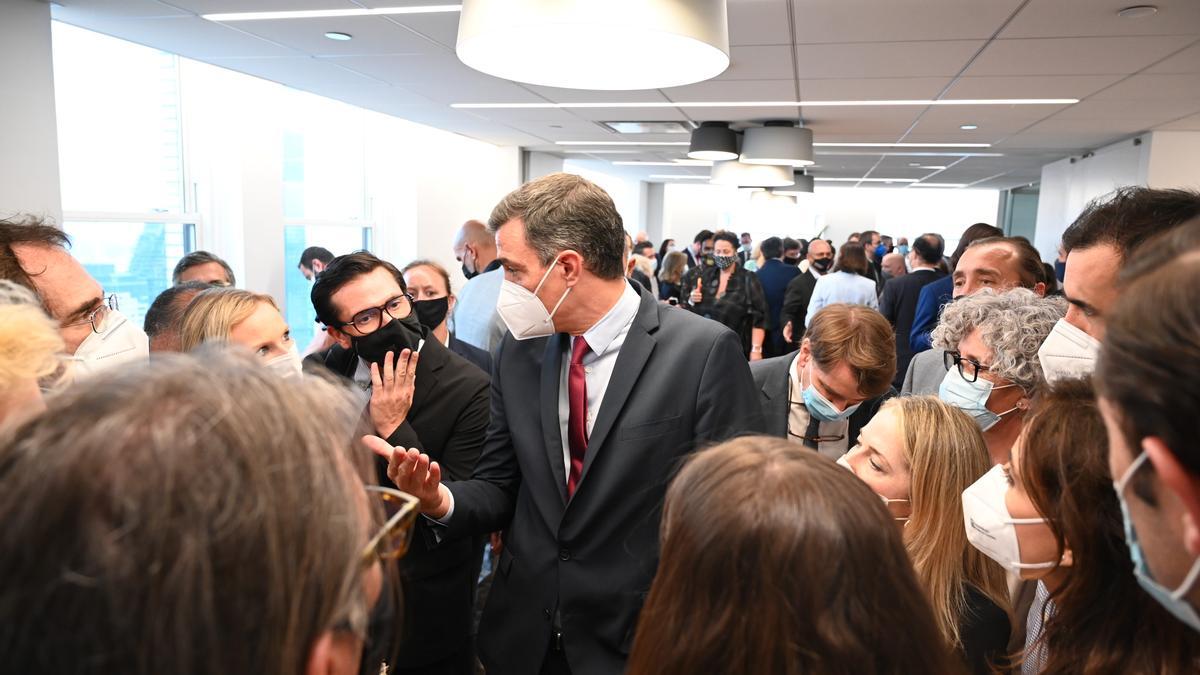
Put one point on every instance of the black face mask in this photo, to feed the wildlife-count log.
(381, 631)
(394, 336)
(432, 313)
(822, 265)
(791, 260)
(468, 273)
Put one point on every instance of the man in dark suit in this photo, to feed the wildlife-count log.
(898, 304)
(824, 394)
(800, 288)
(598, 393)
(700, 249)
(430, 399)
(774, 277)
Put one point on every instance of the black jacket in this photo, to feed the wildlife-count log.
(898, 305)
(742, 308)
(448, 421)
(795, 303)
(472, 353)
(582, 568)
(771, 376)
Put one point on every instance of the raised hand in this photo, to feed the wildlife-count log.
(413, 472)
(696, 295)
(392, 387)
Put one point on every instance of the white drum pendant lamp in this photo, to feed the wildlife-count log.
(596, 44)
(804, 185)
(780, 143)
(733, 172)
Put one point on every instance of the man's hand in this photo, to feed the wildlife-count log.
(697, 295)
(787, 332)
(392, 389)
(414, 473)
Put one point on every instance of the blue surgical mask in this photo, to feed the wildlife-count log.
(971, 397)
(819, 407)
(1175, 601)
(902, 249)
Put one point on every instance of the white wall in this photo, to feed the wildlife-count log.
(29, 181)
(1174, 160)
(627, 193)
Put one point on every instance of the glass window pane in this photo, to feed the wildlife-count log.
(119, 139)
(339, 240)
(133, 260)
(323, 159)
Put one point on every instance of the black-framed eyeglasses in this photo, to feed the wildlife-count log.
(968, 368)
(399, 514)
(834, 438)
(98, 315)
(370, 320)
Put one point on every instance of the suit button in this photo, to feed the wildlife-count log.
(564, 555)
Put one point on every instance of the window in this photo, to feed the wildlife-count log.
(339, 239)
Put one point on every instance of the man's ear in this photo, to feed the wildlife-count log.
(571, 263)
(1182, 483)
(1040, 289)
(339, 337)
(451, 303)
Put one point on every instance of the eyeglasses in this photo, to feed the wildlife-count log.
(968, 368)
(818, 439)
(98, 315)
(370, 320)
(399, 511)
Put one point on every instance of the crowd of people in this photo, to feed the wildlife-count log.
(602, 456)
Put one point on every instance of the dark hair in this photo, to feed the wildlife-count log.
(867, 235)
(1102, 621)
(436, 267)
(1151, 350)
(929, 248)
(970, 235)
(1161, 249)
(563, 211)
(167, 309)
(726, 235)
(851, 258)
(790, 244)
(315, 253)
(745, 586)
(662, 250)
(1029, 261)
(196, 258)
(1129, 216)
(642, 246)
(704, 235)
(770, 248)
(29, 231)
(341, 271)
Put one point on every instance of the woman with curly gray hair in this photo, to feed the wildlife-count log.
(991, 342)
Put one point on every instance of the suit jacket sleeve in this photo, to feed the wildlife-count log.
(470, 431)
(758, 302)
(924, 320)
(907, 388)
(727, 404)
(888, 301)
(795, 305)
(816, 303)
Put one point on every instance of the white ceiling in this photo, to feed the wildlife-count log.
(1132, 75)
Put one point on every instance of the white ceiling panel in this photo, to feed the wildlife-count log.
(1154, 87)
(192, 37)
(1191, 123)
(822, 21)
(735, 90)
(79, 9)
(626, 114)
(221, 6)
(884, 59)
(993, 121)
(1148, 112)
(849, 121)
(1067, 18)
(1047, 86)
(372, 35)
(441, 27)
(1184, 61)
(768, 62)
(559, 95)
(758, 22)
(872, 88)
(759, 114)
(1074, 56)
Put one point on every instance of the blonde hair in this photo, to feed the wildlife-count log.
(30, 343)
(214, 312)
(946, 453)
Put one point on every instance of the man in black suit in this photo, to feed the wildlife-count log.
(898, 304)
(799, 290)
(421, 396)
(598, 393)
(824, 394)
(700, 249)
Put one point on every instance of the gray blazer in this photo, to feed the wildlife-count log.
(925, 373)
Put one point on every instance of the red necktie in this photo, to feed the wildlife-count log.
(577, 432)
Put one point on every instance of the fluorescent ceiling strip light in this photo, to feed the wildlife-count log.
(902, 145)
(774, 104)
(680, 176)
(622, 143)
(329, 13)
(868, 180)
(852, 153)
(939, 185)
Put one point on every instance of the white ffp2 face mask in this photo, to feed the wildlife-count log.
(286, 365)
(1067, 352)
(121, 342)
(990, 528)
(523, 312)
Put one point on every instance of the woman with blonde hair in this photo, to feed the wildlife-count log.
(30, 345)
(670, 276)
(919, 454)
(250, 320)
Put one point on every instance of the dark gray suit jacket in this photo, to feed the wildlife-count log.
(771, 377)
(583, 567)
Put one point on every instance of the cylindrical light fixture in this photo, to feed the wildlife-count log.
(778, 143)
(804, 185)
(585, 44)
(713, 141)
(733, 172)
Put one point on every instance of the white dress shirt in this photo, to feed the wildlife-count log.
(604, 339)
(798, 419)
(838, 287)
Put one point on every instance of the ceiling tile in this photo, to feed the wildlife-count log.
(823, 21)
(560, 95)
(872, 88)
(1048, 86)
(1074, 56)
(884, 59)
(993, 121)
(627, 114)
(839, 122)
(76, 10)
(1148, 112)
(441, 27)
(192, 37)
(1184, 61)
(372, 35)
(759, 22)
(741, 114)
(735, 90)
(772, 62)
(1154, 87)
(1067, 18)
(1191, 123)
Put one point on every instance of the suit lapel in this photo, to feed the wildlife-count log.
(775, 391)
(635, 351)
(551, 429)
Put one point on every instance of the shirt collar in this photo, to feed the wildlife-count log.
(602, 333)
(794, 376)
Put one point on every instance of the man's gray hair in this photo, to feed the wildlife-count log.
(1013, 325)
(563, 212)
(200, 258)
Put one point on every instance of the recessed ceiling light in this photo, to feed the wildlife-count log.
(914, 164)
(329, 13)
(1137, 11)
(341, 37)
(648, 127)
(773, 104)
(621, 143)
(969, 127)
